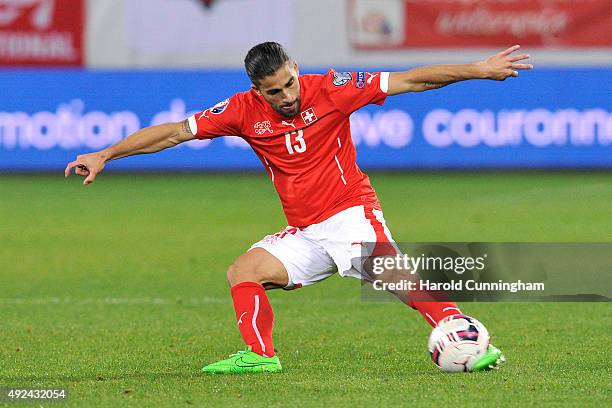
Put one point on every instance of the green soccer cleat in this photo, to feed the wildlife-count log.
(491, 360)
(245, 361)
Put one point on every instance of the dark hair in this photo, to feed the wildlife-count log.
(264, 60)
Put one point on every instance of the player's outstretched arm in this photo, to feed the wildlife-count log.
(497, 67)
(147, 140)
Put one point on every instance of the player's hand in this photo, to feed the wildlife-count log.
(87, 165)
(504, 64)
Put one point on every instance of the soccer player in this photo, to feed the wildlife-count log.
(299, 127)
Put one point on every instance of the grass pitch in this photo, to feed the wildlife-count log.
(117, 291)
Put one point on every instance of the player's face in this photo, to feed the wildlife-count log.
(282, 90)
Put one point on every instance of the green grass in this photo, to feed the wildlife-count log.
(117, 291)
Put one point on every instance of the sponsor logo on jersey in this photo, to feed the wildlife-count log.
(263, 127)
(308, 116)
(289, 123)
(371, 77)
(360, 80)
(220, 107)
(342, 78)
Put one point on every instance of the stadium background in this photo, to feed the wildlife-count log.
(117, 291)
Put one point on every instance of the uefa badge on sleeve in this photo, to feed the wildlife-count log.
(220, 107)
(342, 78)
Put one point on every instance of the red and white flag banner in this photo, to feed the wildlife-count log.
(389, 24)
(41, 32)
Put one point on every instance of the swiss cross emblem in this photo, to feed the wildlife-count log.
(308, 116)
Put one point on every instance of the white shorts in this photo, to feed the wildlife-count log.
(316, 252)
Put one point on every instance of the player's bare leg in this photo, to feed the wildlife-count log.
(249, 277)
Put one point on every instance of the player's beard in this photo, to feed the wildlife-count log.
(288, 113)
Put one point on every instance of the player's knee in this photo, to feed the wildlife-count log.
(258, 266)
(234, 273)
(239, 272)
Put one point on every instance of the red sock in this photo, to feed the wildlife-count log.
(254, 316)
(434, 306)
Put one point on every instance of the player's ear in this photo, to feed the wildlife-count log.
(253, 87)
(296, 67)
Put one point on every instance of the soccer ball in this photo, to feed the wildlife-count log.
(457, 342)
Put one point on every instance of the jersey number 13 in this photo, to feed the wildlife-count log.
(295, 141)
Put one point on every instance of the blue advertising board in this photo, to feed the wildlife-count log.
(547, 118)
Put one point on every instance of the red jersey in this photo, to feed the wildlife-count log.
(310, 158)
